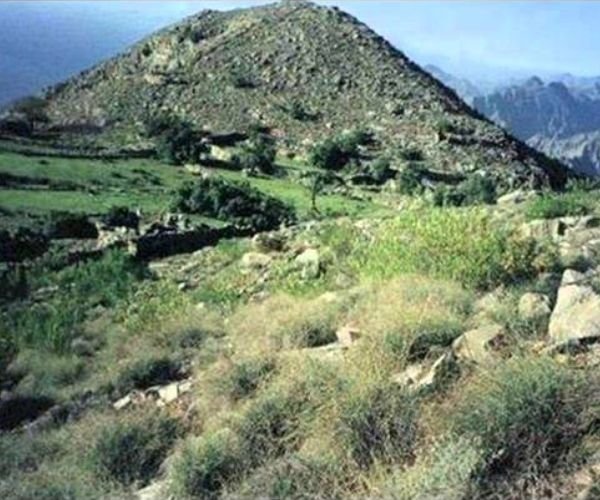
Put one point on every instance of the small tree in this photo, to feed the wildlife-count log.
(33, 110)
(181, 144)
(257, 155)
(317, 186)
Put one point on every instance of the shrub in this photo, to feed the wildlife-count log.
(54, 323)
(206, 465)
(295, 476)
(66, 225)
(410, 180)
(411, 154)
(334, 153)
(445, 471)
(298, 112)
(475, 190)
(283, 322)
(551, 206)
(380, 170)
(466, 246)
(181, 144)
(526, 414)
(236, 202)
(377, 421)
(129, 451)
(258, 155)
(121, 217)
(432, 314)
(245, 376)
(145, 373)
(33, 109)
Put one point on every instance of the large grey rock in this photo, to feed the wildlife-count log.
(478, 345)
(576, 315)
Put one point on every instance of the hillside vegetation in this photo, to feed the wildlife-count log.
(195, 305)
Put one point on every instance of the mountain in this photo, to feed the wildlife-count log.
(561, 121)
(466, 89)
(226, 71)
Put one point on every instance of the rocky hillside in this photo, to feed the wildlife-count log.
(303, 71)
(559, 120)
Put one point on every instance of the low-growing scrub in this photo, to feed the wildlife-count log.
(234, 202)
(377, 421)
(132, 450)
(283, 322)
(206, 465)
(466, 246)
(334, 153)
(555, 205)
(526, 415)
(145, 373)
(476, 190)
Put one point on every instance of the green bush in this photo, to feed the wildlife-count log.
(551, 206)
(295, 476)
(131, 450)
(53, 324)
(380, 170)
(525, 414)
(245, 376)
(145, 373)
(410, 180)
(206, 465)
(270, 426)
(258, 155)
(234, 202)
(411, 154)
(177, 142)
(377, 422)
(334, 153)
(464, 246)
(475, 190)
(121, 217)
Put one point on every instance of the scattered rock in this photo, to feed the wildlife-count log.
(419, 375)
(123, 403)
(252, 261)
(169, 393)
(310, 263)
(576, 315)
(347, 335)
(534, 307)
(516, 197)
(478, 345)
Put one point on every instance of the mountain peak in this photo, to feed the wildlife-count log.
(225, 71)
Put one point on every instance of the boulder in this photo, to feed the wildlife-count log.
(252, 261)
(534, 307)
(419, 375)
(309, 262)
(516, 197)
(478, 345)
(576, 315)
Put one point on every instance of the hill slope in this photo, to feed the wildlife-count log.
(303, 71)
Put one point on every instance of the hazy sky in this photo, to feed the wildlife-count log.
(41, 42)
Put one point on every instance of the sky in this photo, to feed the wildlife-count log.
(42, 42)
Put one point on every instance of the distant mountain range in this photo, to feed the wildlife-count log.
(560, 117)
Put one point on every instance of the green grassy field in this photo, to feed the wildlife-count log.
(94, 186)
